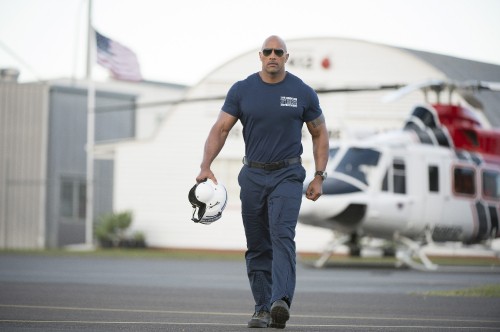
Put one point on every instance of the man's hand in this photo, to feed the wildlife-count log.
(204, 175)
(315, 189)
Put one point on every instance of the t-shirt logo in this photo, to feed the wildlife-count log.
(288, 101)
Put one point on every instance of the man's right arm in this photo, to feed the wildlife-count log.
(214, 143)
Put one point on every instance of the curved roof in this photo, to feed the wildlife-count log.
(387, 66)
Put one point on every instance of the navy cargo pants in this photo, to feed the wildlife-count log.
(270, 203)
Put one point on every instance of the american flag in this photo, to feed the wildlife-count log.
(119, 59)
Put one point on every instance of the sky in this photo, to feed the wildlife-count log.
(183, 41)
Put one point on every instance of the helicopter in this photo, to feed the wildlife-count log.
(435, 180)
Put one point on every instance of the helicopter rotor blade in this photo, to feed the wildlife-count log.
(465, 89)
(112, 108)
(407, 89)
(361, 88)
(492, 86)
(437, 85)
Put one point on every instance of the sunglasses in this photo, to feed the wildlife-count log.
(278, 51)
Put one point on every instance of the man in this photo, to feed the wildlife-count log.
(272, 106)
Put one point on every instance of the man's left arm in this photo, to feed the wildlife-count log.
(321, 147)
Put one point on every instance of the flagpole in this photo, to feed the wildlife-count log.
(89, 212)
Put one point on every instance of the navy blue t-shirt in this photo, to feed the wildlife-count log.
(272, 115)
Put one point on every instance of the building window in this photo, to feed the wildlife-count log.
(73, 199)
(464, 181)
(66, 199)
(433, 178)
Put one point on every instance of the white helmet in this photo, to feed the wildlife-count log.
(209, 199)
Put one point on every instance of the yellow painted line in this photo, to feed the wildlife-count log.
(371, 326)
(125, 310)
(209, 313)
(108, 322)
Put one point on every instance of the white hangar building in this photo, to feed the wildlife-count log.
(153, 175)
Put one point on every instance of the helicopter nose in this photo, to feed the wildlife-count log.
(344, 216)
(334, 186)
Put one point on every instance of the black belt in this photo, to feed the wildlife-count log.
(272, 166)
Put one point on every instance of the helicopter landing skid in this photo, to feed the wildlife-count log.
(330, 248)
(405, 256)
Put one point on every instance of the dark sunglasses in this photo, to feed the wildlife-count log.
(278, 51)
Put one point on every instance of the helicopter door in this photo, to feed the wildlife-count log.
(458, 221)
(434, 196)
(392, 206)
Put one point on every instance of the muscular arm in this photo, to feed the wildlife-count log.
(214, 143)
(317, 129)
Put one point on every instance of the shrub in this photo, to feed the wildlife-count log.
(111, 230)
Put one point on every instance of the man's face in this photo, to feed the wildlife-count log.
(273, 57)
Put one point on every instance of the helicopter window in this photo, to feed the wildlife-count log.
(427, 117)
(333, 152)
(395, 178)
(358, 163)
(433, 178)
(491, 184)
(462, 155)
(471, 137)
(464, 181)
(399, 177)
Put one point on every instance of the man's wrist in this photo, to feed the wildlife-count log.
(322, 174)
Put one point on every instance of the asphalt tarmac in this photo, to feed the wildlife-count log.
(83, 293)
